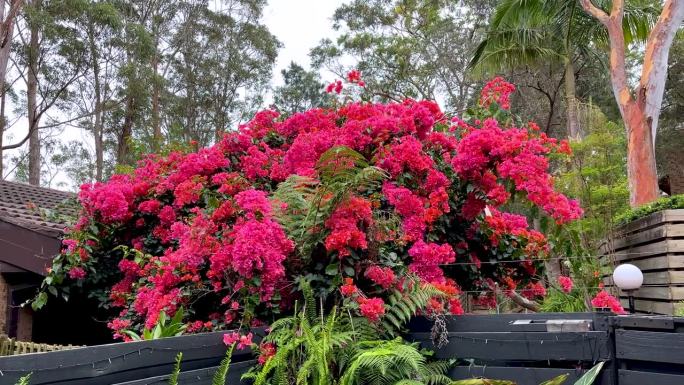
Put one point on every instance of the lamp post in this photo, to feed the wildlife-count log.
(628, 278)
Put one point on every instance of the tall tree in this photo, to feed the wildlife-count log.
(53, 59)
(640, 108)
(221, 61)
(407, 48)
(535, 32)
(9, 11)
(302, 90)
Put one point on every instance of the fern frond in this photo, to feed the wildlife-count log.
(402, 306)
(222, 371)
(173, 379)
(24, 380)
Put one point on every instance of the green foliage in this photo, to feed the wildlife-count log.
(556, 301)
(413, 49)
(532, 32)
(389, 362)
(402, 306)
(589, 377)
(164, 328)
(222, 371)
(24, 380)
(679, 309)
(597, 176)
(668, 203)
(219, 376)
(302, 90)
(318, 349)
(173, 379)
(341, 171)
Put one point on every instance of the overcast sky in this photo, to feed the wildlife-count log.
(299, 25)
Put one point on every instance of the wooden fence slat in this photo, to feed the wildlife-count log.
(529, 346)
(519, 375)
(662, 247)
(633, 377)
(503, 322)
(665, 230)
(649, 346)
(641, 224)
(199, 376)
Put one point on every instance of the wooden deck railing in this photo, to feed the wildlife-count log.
(11, 347)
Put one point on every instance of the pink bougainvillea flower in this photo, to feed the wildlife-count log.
(565, 283)
(604, 300)
(372, 308)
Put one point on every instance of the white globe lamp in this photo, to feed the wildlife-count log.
(628, 278)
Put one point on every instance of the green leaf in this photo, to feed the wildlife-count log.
(482, 381)
(556, 380)
(40, 301)
(332, 269)
(349, 271)
(589, 377)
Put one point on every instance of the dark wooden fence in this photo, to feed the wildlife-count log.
(655, 244)
(130, 363)
(526, 348)
(649, 350)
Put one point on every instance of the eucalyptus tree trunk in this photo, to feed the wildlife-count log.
(156, 119)
(32, 101)
(6, 34)
(640, 110)
(97, 124)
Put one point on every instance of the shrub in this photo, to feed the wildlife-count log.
(359, 194)
(668, 203)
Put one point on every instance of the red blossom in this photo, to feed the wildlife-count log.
(497, 90)
(348, 289)
(77, 273)
(372, 308)
(382, 276)
(604, 300)
(565, 283)
(266, 350)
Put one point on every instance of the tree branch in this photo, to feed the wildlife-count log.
(20, 143)
(523, 302)
(593, 10)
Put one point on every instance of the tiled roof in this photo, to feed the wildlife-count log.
(26, 206)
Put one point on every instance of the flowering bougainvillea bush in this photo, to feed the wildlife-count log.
(352, 198)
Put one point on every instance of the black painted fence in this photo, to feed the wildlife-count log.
(130, 363)
(526, 348)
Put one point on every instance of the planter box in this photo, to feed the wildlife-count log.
(655, 244)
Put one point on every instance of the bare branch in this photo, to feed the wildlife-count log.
(20, 143)
(523, 302)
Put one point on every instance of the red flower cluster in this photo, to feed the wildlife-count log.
(243, 341)
(565, 283)
(499, 91)
(205, 227)
(347, 226)
(381, 276)
(372, 308)
(604, 300)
